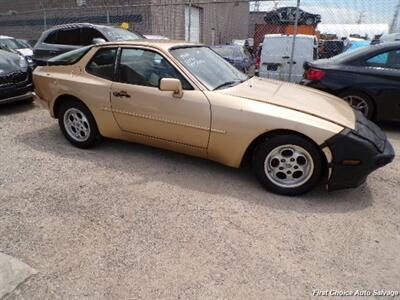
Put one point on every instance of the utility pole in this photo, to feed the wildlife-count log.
(395, 21)
(296, 25)
(360, 18)
(107, 12)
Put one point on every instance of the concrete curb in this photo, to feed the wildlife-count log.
(13, 272)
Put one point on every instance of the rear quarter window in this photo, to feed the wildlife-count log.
(102, 63)
(69, 58)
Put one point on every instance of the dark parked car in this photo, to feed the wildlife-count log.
(67, 37)
(236, 55)
(287, 15)
(13, 45)
(368, 78)
(15, 78)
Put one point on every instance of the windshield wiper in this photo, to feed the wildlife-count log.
(227, 83)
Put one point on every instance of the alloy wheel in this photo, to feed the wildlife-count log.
(289, 166)
(77, 125)
(358, 103)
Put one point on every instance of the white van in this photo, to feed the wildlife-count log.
(276, 52)
(390, 37)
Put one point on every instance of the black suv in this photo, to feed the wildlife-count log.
(67, 37)
(15, 78)
(287, 15)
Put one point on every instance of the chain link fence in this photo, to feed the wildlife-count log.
(279, 35)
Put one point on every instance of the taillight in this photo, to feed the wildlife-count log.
(258, 61)
(314, 74)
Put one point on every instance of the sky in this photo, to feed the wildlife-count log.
(344, 11)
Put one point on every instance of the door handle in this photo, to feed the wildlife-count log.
(121, 94)
(285, 57)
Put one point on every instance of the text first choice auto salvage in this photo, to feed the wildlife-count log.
(355, 293)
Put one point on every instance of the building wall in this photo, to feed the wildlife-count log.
(168, 18)
(230, 21)
(228, 18)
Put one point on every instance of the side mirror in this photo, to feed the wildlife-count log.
(96, 41)
(171, 85)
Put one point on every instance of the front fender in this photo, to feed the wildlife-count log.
(237, 122)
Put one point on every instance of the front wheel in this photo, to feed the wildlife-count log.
(78, 124)
(288, 164)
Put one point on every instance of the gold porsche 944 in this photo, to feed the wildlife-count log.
(186, 98)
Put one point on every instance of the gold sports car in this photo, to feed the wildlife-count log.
(186, 98)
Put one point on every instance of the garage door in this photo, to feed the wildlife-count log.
(192, 16)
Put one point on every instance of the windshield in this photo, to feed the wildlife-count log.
(119, 34)
(11, 44)
(208, 67)
(69, 58)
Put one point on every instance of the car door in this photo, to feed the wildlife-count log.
(381, 76)
(139, 106)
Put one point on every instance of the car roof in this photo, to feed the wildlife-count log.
(160, 44)
(78, 25)
(6, 37)
(383, 46)
(307, 36)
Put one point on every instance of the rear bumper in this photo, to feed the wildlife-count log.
(366, 145)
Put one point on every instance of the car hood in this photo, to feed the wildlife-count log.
(25, 51)
(9, 62)
(296, 97)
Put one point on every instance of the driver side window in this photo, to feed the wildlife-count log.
(147, 68)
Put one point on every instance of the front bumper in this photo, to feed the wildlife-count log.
(357, 153)
(16, 93)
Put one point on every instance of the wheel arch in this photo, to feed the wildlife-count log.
(276, 132)
(62, 99)
(361, 91)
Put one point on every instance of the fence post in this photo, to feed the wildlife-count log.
(108, 16)
(190, 20)
(44, 19)
(296, 24)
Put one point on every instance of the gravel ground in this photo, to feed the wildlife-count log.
(125, 221)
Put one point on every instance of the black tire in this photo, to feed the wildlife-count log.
(266, 148)
(92, 137)
(369, 102)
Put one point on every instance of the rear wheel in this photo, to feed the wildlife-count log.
(359, 101)
(78, 125)
(287, 164)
